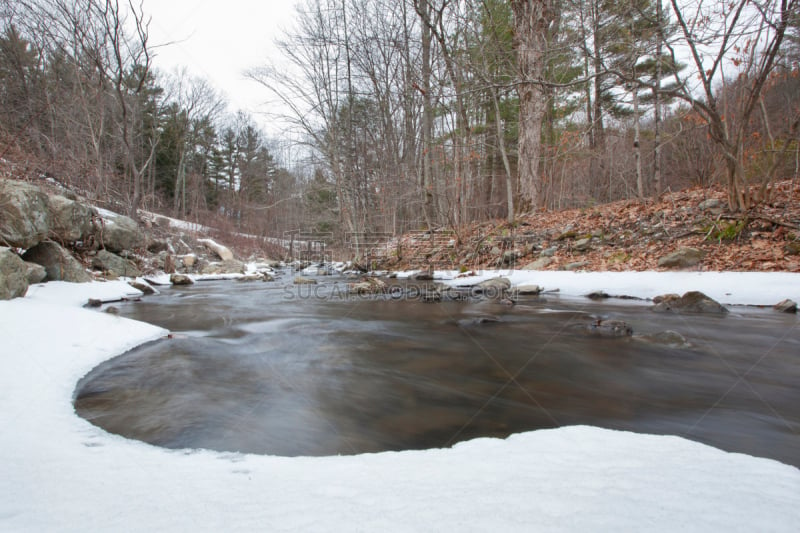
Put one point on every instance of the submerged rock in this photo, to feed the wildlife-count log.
(609, 328)
(691, 302)
(665, 338)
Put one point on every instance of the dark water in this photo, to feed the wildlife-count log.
(257, 367)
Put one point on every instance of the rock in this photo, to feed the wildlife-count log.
(786, 306)
(598, 295)
(158, 246)
(59, 263)
(108, 262)
(528, 290)
(368, 286)
(142, 286)
(792, 248)
(510, 256)
(13, 275)
(549, 252)
(582, 245)
(94, 302)
(496, 251)
(189, 260)
(493, 288)
(539, 264)
(575, 266)
(609, 328)
(682, 258)
(111, 310)
(711, 203)
(478, 320)
(691, 302)
(251, 277)
(222, 252)
(36, 273)
(666, 297)
(666, 338)
(300, 280)
(169, 263)
(26, 218)
(180, 279)
(231, 266)
(117, 233)
(71, 221)
(423, 275)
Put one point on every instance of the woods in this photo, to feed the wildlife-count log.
(411, 115)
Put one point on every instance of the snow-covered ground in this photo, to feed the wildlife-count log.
(731, 288)
(58, 472)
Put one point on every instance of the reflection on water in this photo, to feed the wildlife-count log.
(262, 368)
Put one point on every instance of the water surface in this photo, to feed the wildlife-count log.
(265, 368)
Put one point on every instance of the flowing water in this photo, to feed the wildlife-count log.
(307, 370)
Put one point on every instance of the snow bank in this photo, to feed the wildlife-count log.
(731, 288)
(60, 473)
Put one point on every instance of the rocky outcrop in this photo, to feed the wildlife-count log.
(58, 262)
(683, 258)
(118, 233)
(691, 302)
(26, 216)
(13, 275)
(222, 252)
(108, 262)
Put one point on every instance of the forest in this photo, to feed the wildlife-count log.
(410, 114)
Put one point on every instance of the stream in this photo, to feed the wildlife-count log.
(286, 370)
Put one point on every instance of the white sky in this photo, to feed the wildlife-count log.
(218, 41)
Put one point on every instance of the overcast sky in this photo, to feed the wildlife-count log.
(218, 40)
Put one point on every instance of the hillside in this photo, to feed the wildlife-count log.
(625, 235)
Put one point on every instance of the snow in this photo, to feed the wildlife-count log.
(58, 472)
(730, 288)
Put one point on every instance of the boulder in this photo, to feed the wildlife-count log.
(117, 233)
(71, 221)
(786, 306)
(230, 266)
(691, 302)
(222, 252)
(59, 263)
(180, 279)
(495, 287)
(108, 262)
(511, 256)
(682, 258)
(36, 273)
(189, 260)
(157, 246)
(300, 280)
(13, 275)
(528, 290)
(539, 264)
(26, 216)
(711, 203)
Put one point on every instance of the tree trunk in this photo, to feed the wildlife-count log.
(531, 21)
